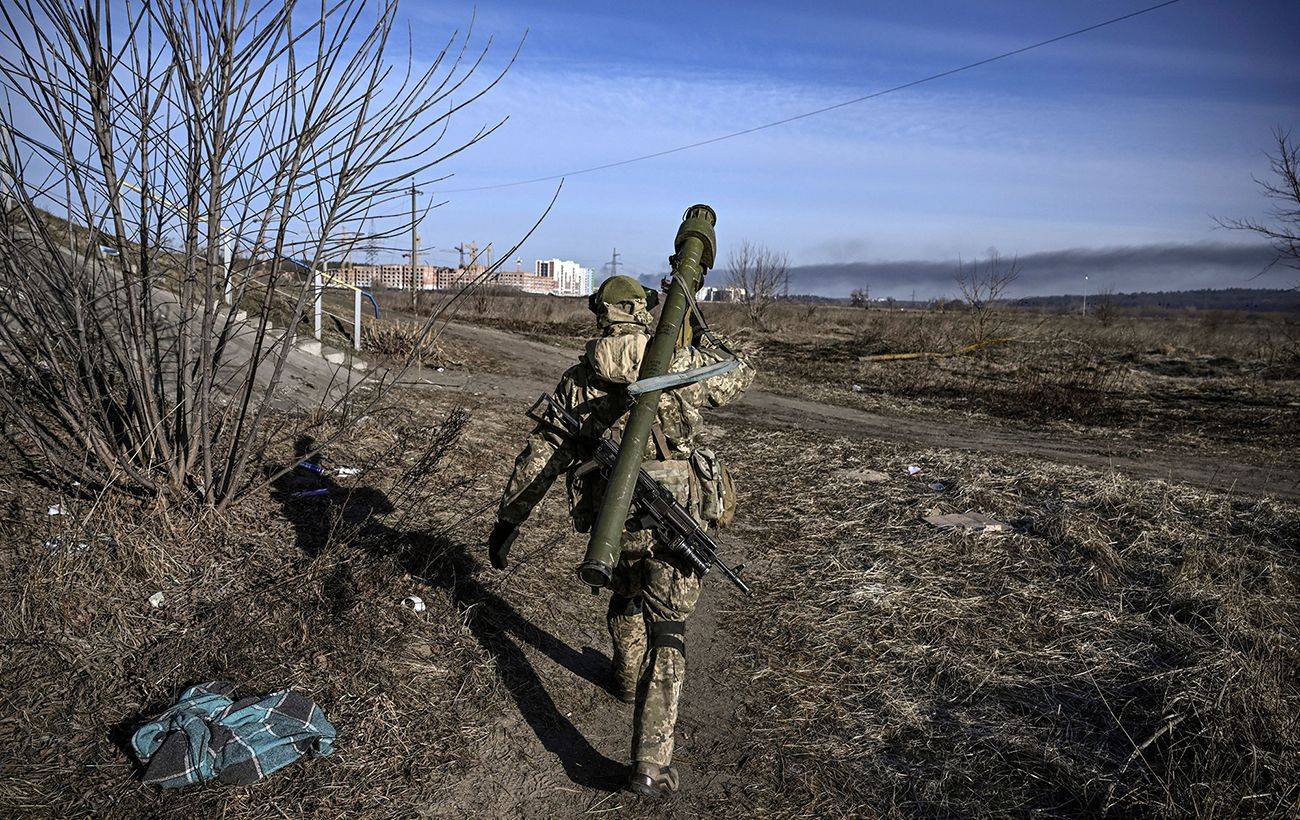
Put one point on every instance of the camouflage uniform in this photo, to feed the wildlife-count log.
(652, 593)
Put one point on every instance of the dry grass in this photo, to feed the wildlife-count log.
(1216, 379)
(402, 340)
(1130, 650)
(282, 592)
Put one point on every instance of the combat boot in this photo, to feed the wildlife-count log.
(653, 780)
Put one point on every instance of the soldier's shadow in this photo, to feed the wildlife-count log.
(311, 501)
(500, 629)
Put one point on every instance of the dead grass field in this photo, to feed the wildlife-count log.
(1219, 380)
(1129, 650)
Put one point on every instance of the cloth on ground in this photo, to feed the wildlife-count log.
(206, 735)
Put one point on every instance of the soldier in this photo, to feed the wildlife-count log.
(653, 593)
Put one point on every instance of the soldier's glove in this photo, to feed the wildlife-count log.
(499, 542)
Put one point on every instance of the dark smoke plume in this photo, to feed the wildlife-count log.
(1131, 268)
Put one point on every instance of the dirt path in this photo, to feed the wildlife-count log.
(529, 367)
(562, 752)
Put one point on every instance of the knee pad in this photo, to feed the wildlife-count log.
(670, 634)
(621, 606)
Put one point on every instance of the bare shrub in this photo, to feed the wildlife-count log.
(1284, 191)
(228, 157)
(1103, 309)
(401, 339)
(761, 274)
(484, 294)
(983, 285)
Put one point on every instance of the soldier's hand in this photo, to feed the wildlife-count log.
(499, 542)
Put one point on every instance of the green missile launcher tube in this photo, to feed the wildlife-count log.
(695, 248)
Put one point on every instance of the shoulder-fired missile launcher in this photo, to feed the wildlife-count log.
(694, 251)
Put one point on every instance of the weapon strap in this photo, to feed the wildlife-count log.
(656, 431)
(705, 330)
(661, 441)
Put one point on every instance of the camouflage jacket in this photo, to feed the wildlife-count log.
(594, 390)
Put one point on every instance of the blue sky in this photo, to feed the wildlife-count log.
(1136, 134)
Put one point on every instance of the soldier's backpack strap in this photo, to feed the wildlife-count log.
(660, 440)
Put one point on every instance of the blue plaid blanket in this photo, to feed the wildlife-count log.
(206, 735)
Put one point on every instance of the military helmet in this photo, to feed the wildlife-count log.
(618, 289)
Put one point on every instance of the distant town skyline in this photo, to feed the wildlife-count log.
(556, 277)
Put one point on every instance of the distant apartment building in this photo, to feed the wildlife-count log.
(551, 276)
(570, 278)
(395, 276)
(527, 282)
(723, 294)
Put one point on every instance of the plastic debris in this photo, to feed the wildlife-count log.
(57, 509)
(938, 486)
(310, 493)
(59, 545)
(156, 600)
(912, 469)
(441, 370)
(857, 388)
(415, 602)
(969, 521)
(347, 472)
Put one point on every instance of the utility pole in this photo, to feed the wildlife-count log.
(415, 249)
(1085, 294)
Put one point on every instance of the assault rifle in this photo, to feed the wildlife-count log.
(653, 505)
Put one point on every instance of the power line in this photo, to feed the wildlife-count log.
(913, 83)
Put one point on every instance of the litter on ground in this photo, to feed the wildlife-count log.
(57, 509)
(969, 521)
(415, 602)
(912, 469)
(208, 736)
(156, 600)
(348, 472)
(58, 545)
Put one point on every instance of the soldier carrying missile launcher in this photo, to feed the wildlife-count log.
(624, 427)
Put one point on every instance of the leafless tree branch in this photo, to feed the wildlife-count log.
(204, 148)
(761, 275)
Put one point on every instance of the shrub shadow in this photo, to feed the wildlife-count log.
(321, 509)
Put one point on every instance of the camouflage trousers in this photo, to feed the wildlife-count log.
(652, 598)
